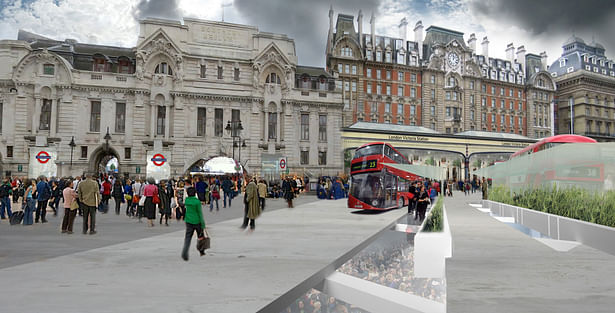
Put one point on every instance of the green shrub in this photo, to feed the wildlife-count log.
(576, 203)
(435, 220)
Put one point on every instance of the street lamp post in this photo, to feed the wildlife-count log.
(234, 128)
(72, 146)
(107, 139)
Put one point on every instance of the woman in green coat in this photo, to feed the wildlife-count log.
(194, 221)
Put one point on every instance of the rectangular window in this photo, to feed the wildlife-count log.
(48, 69)
(433, 94)
(84, 152)
(520, 120)
(483, 101)
(378, 74)
(492, 102)
(354, 69)
(387, 107)
(369, 88)
(388, 90)
(218, 122)
(45, 118)
(400, 76)
(378, 56)
(347, 68)
(502, 91)
(510, 92)
(236, 74)
(448, 95)
(484, 88)
(322, 127)
(201, 120)
(493, 118)
(400, 91)
(95, 116)
(120, 117)
(340, 67)
(400, 108)
(388, 57)
(305, 157)
(372, 107)
(322, 157)
(492, 90)
(203, 71)
(432, 79)
(484, 117)
(160, 119)
(413, 92)
(413, 110)
(347, 86)
(413, 78)
(454, 95)
(9, 151)
(502, 104)
(433, 110)
(127, 153)
(379, 89)
(369, 72)
(471, 99)
(448, 111)
(354, 86)
(272, 127)
(220, 72)
(305, 126)
(472, 84)
(1, 115)
(388, 74)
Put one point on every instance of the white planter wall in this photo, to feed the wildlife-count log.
(557, 227)
(431, 249)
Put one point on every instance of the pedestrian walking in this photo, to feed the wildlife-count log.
(43, 194)
(118, 195)
(194, 221)
(200, 187)
(165, 203)
(149, 192)
(29, 202)
(289, 193)
(138, 188)
(128, 193)
(70, 208)
(214, 196)
(422, 202)
(227, 188)
(5, 201)
(89, 197)
(106, 195)
(252, 207)
(262, 193)
(180, 210)
(484, 189)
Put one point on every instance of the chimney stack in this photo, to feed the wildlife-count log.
(521, 57)
(510, 53)
(360, 22)
(418, 37)
(485, 45)
(472, 42)
(543, 60)
(372, 22)
(403, 29)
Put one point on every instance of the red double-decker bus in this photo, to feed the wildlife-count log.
(374, 184)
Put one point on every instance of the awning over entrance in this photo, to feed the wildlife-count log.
(427, 171)
(217, 166)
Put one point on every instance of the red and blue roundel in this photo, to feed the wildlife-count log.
(43, 157)
(158, 159)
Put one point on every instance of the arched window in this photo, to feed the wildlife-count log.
(305, 81)
(163, 68)
(322, 83)
(273, 78)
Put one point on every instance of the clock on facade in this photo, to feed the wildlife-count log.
(453, 59)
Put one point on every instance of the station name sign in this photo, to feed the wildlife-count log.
(515, 144)
(408, 138)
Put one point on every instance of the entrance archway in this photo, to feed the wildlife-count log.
(102, 158)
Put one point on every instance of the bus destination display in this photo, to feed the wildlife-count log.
(366, 165)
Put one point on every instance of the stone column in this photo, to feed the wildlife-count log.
(153, 121)
(167, 121)
(36, 115)
(53, 125)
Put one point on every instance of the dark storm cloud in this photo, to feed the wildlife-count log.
(307, 22)
(556, 17)
(157, 8)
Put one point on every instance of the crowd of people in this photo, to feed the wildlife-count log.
(332, 188)
(315, 301)
(393, 267)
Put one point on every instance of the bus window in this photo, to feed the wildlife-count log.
(368, 150)
(368, 188)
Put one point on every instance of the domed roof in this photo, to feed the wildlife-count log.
(597, 45)
(573, 39)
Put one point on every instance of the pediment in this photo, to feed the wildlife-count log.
(159, 40)
(272, 54)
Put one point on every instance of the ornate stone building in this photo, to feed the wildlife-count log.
(173, 94)
(585, 80)
(438, 81)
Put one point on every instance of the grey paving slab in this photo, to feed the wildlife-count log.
(242, 272)
(496, 268)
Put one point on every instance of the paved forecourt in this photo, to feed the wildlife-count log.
(496, 268)
(243, 272)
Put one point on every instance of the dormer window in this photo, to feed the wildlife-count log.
(378, 56)
(346, 51)
(388, 57)
(369, 54)
(48, 69)
(163, 68)
(586, 58)
(273, 78)
(322, 84)
(124, 66)
(100, 64)
(401, 58)
(562, 62)
(541, 83)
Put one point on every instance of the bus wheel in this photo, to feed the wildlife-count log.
(400, 202)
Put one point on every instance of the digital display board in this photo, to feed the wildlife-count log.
(365, 165)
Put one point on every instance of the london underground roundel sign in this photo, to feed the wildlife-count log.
(158, 159)
(43, 157)
(282, 163)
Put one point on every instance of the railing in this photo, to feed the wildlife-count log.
(96, 77)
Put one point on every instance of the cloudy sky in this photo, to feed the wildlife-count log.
(539, 25)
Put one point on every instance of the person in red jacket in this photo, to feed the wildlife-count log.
(106, 194)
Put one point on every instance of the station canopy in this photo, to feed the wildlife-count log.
(426, 171)
(217, 166)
